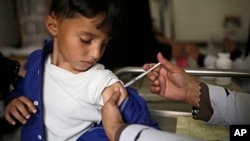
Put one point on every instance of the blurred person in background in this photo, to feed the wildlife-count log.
(240, 60)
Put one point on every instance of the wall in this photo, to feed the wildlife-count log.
(22, 22)
(9, 32)
(184, 19)
(199, 20)
(203, 19)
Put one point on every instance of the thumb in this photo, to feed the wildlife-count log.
(164, 62)
(115, 96)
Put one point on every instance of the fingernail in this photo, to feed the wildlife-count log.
(13, 123)
(28, 116)
(24, 122)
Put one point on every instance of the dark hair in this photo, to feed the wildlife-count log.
(89, 9)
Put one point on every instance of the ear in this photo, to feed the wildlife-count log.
(51, 24)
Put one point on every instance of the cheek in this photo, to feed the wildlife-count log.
(102, 51)
(69, 47)
(67, 35)
(68, 41)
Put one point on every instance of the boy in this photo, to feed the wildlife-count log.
(64, 87)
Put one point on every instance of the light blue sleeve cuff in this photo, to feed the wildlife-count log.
(130, 132)
(219, 104)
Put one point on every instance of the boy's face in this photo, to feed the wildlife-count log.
(78, 43)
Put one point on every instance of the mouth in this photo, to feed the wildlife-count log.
(88, 63)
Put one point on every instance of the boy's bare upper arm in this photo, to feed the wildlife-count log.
(109, 91)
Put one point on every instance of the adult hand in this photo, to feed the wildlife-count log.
(111, 115)
(172, 82)
(19, 108)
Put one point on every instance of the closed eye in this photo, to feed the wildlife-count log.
(85, 41)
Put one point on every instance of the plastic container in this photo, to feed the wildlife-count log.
(223, 62)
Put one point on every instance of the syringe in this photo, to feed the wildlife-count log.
(141, 75)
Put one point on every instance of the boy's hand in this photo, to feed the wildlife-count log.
(20, 109)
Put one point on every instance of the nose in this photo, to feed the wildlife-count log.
(95, 52)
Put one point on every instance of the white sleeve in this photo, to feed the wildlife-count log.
(136, 132)
(98, 79)
(231, 108)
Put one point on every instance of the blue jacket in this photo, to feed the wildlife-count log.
(134, 109)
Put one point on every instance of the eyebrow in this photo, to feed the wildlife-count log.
(87, 33)
(109, 36)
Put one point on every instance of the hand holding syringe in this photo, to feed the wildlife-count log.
(141, 75)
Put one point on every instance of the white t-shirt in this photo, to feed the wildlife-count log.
(72, 102)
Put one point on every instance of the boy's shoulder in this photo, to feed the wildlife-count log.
(34, 54)
(99, 71)
(34, 57)
(46, 49)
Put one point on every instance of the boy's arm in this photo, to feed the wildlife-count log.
(107, 92)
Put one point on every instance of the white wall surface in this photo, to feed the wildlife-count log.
(202, 20)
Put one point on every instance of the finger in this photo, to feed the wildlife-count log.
(29, 104)
(165, 62)
(19, 110)
(152, 76)
(150, 65)
(11, 112)
(147, 66)
(155, 89)
(24, 107)
(22, 112)
(9, 118)
(162, 84)
(154, 79)
(18, 115)
(156, 83)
